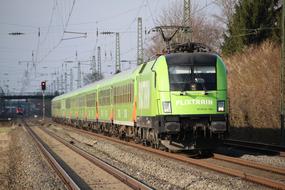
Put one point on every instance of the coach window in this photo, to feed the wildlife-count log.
(80, 101)
(74, 103)
(113, 95)
(67, 103)
(90, 100)
(104, 97)
(101, 98)
(116, 95)
(58, 105)
(108, 97)
(129, 93)
(124, 93)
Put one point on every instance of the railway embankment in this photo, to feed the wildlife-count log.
(253, 89)
(157, 171)
(22, 166)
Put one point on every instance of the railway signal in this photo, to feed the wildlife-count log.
(43, 85)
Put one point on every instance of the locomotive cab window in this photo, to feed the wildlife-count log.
(192, 73)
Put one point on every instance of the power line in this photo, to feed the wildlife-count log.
(69, 15)
(38, 45)
(50, 22)
(135, 19)
(61, 39)
(204, 7)
(125, 31)
(21, 25)
(119, 14)
(129, 50)
(253, 31)
(150, 12)
(60, 14)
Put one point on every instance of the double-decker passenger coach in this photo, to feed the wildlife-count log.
(178, 101)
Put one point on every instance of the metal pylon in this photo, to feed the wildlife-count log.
(187, 18)
(93, 64)
(140, 43)
(99, 60)
(118, 61)
(79, 75)
(71, 80)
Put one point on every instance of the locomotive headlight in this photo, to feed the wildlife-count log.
(166, 107)
(221, 106)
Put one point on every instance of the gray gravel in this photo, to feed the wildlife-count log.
(4, 152)
(27, 168)
(276, 161)
(159, 172)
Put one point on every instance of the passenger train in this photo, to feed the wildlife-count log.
(178, 101)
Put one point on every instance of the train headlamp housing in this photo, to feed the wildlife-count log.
(221, 106)
(166, 107)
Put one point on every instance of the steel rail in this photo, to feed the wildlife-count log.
(54, 164)
(256, 146)
(125, 178)
(228, 171)
(249, 163)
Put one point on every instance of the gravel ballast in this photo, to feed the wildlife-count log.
(157, 171)
(4, 152)
(27, 167)
(276, 161)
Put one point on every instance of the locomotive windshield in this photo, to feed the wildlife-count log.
(192, 72)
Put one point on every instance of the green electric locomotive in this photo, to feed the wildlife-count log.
(178, 101)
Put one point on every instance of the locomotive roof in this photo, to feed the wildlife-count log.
(191, 58)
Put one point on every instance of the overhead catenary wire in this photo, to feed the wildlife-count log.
(253, 31)
(124, 31)
(61, 39)
(50, 22)
(61, 6)
(150, 11)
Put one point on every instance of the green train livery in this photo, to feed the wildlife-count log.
(178, 101)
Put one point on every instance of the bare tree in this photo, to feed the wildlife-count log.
(92, 77)
(228, 9)
(204, 30)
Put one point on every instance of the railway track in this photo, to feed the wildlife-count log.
(252, 171)
(131, 182)
(260, 147)
(249, 163)
(68, 181)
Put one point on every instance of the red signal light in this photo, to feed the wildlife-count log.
(43, 85)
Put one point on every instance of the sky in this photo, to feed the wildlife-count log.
(44, 48)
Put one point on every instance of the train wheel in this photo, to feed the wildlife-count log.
(137, 140)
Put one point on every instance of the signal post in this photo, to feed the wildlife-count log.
(43, 85)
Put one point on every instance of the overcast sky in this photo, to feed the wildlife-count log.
(52, 48)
